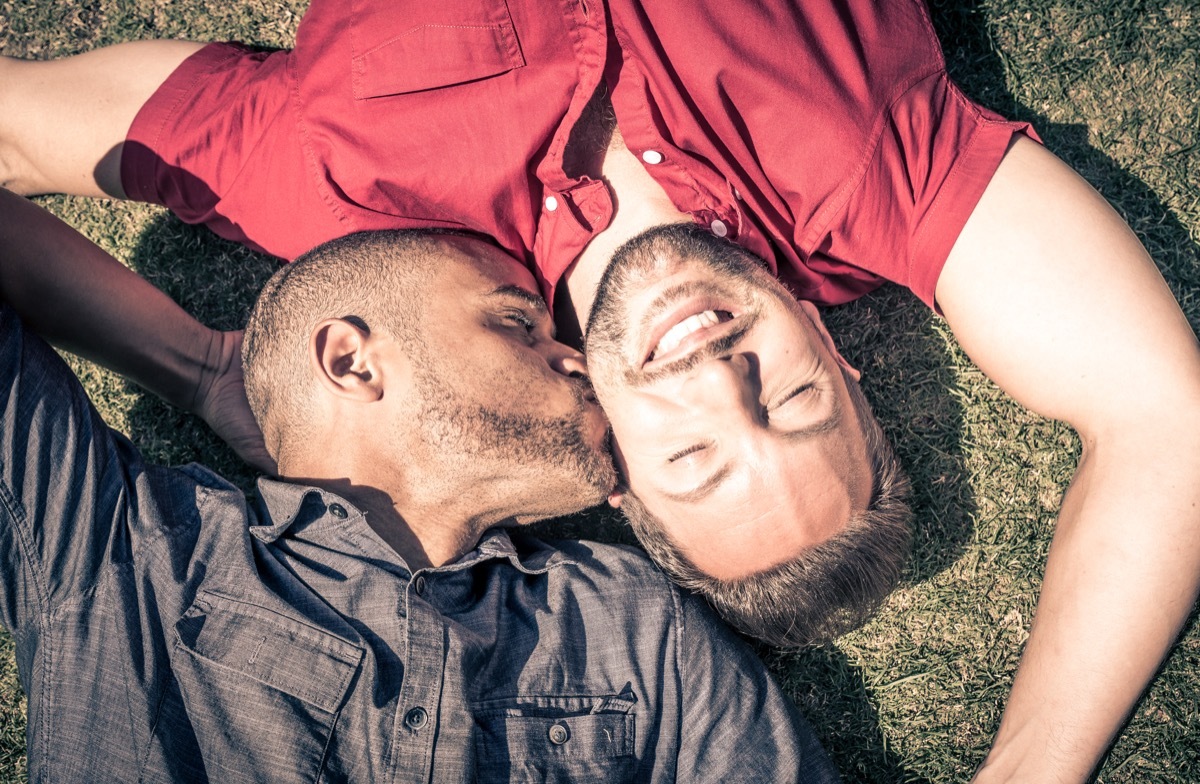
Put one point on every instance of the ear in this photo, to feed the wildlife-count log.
(615, 498)
(338, 352)
(814, 316)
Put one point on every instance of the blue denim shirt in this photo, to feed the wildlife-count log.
(167, 630)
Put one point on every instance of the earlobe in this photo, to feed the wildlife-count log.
(340, 359)
(615, 498)
(814, 316)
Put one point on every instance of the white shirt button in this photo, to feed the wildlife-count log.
(652, 157)
(551, 203)
(719, 228)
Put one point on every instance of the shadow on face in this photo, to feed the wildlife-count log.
(448, 336)
(499, 397)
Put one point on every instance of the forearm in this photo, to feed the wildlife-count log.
(78, 297)
(1122, 576)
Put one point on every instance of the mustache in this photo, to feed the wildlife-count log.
(583, 390)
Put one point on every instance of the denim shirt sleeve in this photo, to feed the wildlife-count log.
(63, 488)
(737, 724)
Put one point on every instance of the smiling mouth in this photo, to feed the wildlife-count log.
(689, 326)
(686, 329)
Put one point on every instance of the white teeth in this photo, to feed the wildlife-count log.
(677, 333)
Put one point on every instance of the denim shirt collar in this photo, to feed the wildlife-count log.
(284, 504)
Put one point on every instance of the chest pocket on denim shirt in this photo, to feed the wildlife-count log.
(407, 47)
(555, 739)
(262, 691)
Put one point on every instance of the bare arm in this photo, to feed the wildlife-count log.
(78, 297)
(63, 122)
(1055, 299)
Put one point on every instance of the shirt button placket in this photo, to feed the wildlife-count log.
(416, 715)
(416, 719)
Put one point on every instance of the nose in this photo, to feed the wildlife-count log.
(729, 387)
(565, 360)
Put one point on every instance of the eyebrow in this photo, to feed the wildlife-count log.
(524, 295)
(709, 485)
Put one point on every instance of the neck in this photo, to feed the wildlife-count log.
(639, 203)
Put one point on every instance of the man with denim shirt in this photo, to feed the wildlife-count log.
(366, 623)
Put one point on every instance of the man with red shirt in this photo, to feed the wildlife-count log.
(800, 131)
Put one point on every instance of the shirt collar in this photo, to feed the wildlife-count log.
(528, 554)
(285, 504)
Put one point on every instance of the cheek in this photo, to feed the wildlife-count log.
(633, 418)
(638, 429)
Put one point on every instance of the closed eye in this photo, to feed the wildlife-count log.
(798, 391)
(518, 307)
(685, 452)
(521, 319)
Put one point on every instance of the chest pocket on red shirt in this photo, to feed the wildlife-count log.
(408, 47)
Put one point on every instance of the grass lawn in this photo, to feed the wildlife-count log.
(916, 695)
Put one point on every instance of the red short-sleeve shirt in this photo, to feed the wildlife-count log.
(826, 137)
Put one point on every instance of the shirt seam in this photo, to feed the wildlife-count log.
(19, 523)
(817, 228)
(45, 646)
(956, 173)
(681, 690)
(644, 121)
(305, 143)
(182, 94)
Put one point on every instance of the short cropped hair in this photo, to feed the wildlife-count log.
(827, 590)
(373, 277)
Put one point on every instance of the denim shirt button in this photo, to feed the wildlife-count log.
(338, 511)
(419, 584)
(559, 734)
(416, 718)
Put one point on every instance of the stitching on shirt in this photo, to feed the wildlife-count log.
(837, 204)
(20, 522)
(955, 173)
(314, 170)
(836, 207)
(419, 28)
(583, 59)
(677, 627)
(156, 716)
(630, 53)
(45, 648)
